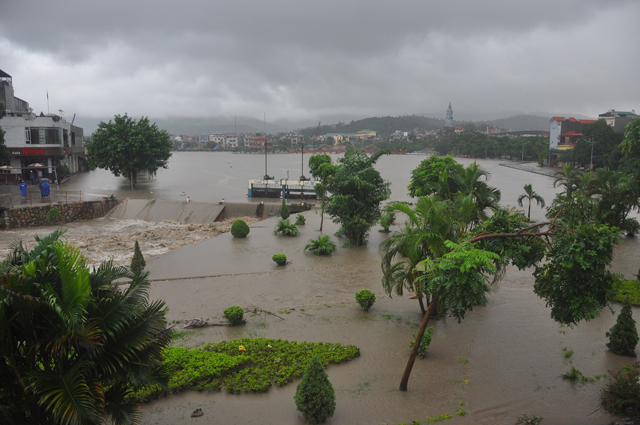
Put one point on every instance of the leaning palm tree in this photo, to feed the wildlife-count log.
(429, 224)
(530, 195)
(72, 347)
(568, 177)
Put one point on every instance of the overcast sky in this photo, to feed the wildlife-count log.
(308, 60)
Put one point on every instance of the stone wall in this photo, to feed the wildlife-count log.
(30, 216)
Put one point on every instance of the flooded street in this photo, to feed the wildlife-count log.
(510, 351)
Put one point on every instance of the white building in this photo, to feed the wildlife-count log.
(48, 140)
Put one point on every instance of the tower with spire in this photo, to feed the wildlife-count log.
(448, 121)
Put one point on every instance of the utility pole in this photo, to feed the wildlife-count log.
(591, 159)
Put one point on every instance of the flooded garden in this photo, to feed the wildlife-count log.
(502, 361)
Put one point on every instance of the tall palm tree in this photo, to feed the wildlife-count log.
(473, 181)
(530, 195)
(72, 347)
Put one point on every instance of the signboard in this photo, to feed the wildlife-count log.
(49, 151)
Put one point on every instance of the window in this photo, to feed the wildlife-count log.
(45, 135)
(27, 135)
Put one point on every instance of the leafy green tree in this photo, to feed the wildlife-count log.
(321, 246)
(426, 177)
(126, 146)
(357, 191)
(137, 262)
(72, 346)
(315, 396)
(623, 337)
(365, 299)
(530, 194)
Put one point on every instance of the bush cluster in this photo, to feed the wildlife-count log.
(285, 228)
(365, 298)
(239, 229)
(234, 314)
(300, 220)
(261, 363)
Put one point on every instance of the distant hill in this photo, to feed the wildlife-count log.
(384, 125)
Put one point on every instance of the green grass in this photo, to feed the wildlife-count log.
(261, 363)
(628, 289)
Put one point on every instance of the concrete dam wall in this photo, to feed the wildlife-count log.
(157, 210)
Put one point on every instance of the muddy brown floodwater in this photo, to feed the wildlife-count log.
(502, 361)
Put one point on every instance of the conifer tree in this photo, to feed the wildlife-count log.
(623, 337)
(284, 211)
(315, 396)
(137, 262)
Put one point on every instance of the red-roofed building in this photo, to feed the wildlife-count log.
(564, 133)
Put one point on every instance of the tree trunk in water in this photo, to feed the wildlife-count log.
(422, 306)
(416, 345)
(529, 216)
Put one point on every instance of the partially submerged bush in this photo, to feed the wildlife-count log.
(315, 396)
(239, 229)
(285, 228)
(622, 395)
(284, 210)
(300, 220)
(365, 298)
(623, 336)
(424, 344)
(280, 259)
(234, 314)
(321, 246)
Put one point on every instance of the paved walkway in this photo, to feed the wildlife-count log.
(531, 167)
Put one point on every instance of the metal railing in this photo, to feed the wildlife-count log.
(34, 198)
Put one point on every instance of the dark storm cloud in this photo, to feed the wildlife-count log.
(303, 60)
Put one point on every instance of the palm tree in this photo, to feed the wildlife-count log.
(568, 177)
(285, 228)
(321, 246)
(429, 224)
(72, 347)
(530, 194)
(473, 181)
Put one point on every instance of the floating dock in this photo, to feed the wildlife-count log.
(288, 189)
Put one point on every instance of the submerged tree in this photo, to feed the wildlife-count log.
(137, 262)
(126, 146)
(357, 190)
(72, 347)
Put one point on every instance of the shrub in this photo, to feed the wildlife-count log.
(54, 215)
(280, 259)
(315, 396)
(622, 395)
(239, 229)
(286, 229)
(284, 211)
(300, 220)
(137, 262)
(321, 246)
(234, 314)
(623, 336)
(365, 298)
(424, 344)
